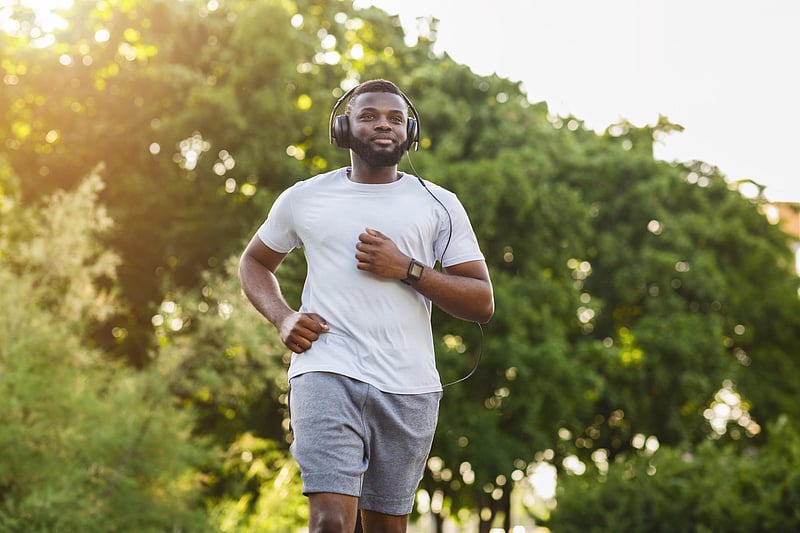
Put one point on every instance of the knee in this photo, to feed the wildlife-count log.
(330, 521)
(332, 513)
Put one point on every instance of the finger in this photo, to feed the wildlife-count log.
(376, 233)
(299, 343)
(364, 265)
(321, 322)
(368, 238)
(308, 333)
(298, 347)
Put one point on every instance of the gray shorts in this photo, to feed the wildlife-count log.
(350, 438)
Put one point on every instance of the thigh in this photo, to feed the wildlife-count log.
(327, 425)
(400, 433)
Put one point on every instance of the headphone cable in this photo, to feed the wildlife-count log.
(449, 236)
(477, 361)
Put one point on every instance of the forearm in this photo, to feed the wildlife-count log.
(464, 297)
(298, 331)
(261, 287)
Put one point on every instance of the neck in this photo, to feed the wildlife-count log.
(367, 174)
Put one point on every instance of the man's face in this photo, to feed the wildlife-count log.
(378, 128)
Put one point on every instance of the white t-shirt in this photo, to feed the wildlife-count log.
(380, 330)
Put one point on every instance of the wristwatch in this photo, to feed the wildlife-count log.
(414, 271)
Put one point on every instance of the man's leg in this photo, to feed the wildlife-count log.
(327, 424)
(374, 522)
(332, 513)
(400, 429)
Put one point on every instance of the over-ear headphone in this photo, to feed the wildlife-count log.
(339, 126)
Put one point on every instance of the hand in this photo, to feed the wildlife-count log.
(378, 254)
(299, 330)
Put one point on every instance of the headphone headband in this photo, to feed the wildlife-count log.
(339, 126)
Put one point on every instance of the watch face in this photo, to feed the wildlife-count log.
(415, 270)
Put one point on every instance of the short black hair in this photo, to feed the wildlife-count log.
(374, 86)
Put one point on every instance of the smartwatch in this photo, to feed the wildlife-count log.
(415, 269)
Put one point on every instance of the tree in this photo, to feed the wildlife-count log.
(715, 488)
(86, 445)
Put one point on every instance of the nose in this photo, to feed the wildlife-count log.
(383, 123)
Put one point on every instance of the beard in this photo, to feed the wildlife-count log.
(373, 157)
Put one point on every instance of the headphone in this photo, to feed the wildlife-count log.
(339, 126)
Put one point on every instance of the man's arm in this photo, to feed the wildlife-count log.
(257, 277)
(464, 290)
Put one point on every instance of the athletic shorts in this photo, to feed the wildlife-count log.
(350, 438)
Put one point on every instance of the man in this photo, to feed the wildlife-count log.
(364, 389)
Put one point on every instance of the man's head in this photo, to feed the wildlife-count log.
(340, 126)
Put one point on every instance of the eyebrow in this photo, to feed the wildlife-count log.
(374, 109)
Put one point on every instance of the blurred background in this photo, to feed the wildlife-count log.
(640, 373)
(720, 68)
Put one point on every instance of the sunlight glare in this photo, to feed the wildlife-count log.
(543, 479)
(573, 464)
(728, 406)
(102, 35)
(46, 20)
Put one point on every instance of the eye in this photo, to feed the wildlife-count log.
(398, 119)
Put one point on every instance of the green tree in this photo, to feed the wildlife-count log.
(86, 445)
(714, 488)
(680, 266)
(229, 368)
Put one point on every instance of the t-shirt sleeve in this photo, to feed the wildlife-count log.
(463, 246)
(278, 230)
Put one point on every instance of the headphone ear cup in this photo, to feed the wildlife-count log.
(412, 133)
(340, 131)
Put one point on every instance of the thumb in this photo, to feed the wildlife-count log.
(321, 321)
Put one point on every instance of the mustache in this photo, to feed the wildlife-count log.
(384, 136)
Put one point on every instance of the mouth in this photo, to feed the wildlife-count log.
(384, 141)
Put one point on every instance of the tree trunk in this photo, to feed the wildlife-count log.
(438, 522)
(502, 506)
(485, 502)
(505, 503)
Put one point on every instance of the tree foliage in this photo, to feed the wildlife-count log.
(714, 489)
(86, 444)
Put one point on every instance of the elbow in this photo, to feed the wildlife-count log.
(486, 313)
(240, 271)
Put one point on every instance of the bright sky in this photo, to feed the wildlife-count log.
(726, 70)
